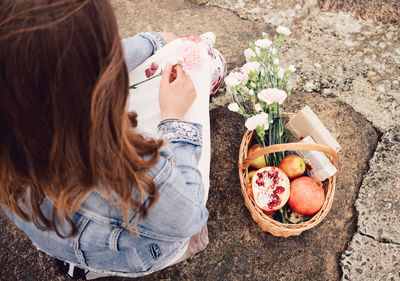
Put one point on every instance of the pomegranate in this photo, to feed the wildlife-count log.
(306, 195)
(269, 214)
(271, 188)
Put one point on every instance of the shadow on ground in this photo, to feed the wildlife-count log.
(239, 249)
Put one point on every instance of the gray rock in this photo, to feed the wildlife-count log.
(200, 2)
(368, 260)
(378, 202)
(345, 47)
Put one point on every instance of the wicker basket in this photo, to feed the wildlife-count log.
(268, 224)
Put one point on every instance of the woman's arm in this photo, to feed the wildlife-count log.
(180, 211)
(141, 46)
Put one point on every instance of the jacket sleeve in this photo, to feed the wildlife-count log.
(180, 211)
(140, 47)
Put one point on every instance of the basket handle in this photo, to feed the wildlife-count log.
(289, 146)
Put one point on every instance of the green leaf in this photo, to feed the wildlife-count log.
(253, 75)
(260, 131)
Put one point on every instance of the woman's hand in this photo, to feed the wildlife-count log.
(168, 36)
(177, 92)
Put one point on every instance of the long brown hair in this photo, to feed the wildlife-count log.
(64, 130)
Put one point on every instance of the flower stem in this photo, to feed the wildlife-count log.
(134, 86)
(263, 145)
(235, 99)
(246, 105)
(283, 215)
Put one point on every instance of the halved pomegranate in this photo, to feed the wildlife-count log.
(271, 188)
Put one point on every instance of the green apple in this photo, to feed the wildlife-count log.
(251, 174)
(258, 162)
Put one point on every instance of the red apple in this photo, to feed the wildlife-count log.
(249, 190)
(306, 195)
(258, 162)
(271, 188)
(293, 166)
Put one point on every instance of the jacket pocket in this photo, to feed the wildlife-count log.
(114, 237)
(155, 250)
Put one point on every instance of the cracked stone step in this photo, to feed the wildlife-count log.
(386, 11)
(368, 260)
(378, 202)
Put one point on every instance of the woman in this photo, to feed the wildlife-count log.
(76, 175)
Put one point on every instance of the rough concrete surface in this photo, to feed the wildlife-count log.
(348, 72)
(335, 54)
(378, 202)
(386, 11)
(367, 259)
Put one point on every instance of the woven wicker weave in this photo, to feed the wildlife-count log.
(267, 224)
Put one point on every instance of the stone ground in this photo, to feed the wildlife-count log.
(348, 73)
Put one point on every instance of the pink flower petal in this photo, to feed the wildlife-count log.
(191, 56)
(256, 120)
(272, 95)
(250, 66)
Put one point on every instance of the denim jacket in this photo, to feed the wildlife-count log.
(139, 47)
(104, 243)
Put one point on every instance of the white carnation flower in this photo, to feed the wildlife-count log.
(257, 120)
(231, 81)
(280, 73)
(273, 51)
(283, 30)
(258, 107)
(233, 107)
(276, 61)
(263, 43)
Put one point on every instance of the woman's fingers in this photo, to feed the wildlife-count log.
(179, 72)
(172, 77)
(177, 92)
(166, 73)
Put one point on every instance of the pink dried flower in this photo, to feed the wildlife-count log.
(192, 58)
(272, 95)
(151, 70)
